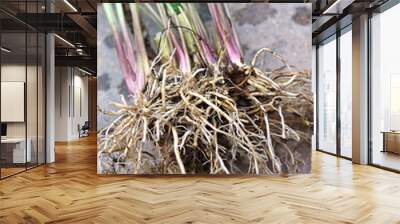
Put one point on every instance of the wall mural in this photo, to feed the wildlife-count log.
(193, 88)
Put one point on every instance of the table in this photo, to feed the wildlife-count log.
(391, 141)
(18, 149)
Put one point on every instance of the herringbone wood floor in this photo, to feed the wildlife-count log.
(69, 191)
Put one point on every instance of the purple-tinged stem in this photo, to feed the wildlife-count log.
(226, 32)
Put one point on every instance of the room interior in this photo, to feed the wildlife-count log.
(71, 100)
(25, 103)
(385, 116)
(356, 142)
(22, 101)
(335, 92)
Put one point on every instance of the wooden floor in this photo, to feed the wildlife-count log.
(387, 159)
(5, 172)
(69, 191)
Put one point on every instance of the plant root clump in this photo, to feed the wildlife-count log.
(218, 120)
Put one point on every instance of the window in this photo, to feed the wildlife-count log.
(346, 93)
(22, 101)
(327, 96)
(385, 89)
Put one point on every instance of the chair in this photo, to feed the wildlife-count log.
(84, 130)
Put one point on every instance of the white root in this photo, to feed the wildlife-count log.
(205, 120)
(176, 150)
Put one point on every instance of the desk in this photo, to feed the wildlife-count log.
(18, 149)
(391, 141)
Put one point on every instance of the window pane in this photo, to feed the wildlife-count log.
(31, 97)
(386, 89)
(346, 94)
(15, 150)
(327, 97)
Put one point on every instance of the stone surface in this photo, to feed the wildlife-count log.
(284, 28)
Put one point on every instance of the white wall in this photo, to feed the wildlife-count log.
(33, 126)
(17, 73)
(80, 109)
(12, 73)
(71, 94)
(62, 81)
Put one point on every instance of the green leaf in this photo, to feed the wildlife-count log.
(176, 7)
